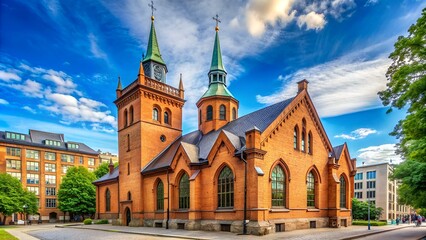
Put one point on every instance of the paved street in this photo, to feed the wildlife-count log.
(412, 233)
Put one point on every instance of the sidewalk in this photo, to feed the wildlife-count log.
(351, 232)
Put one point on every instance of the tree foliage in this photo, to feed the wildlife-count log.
(103, 169)
(77, 194)
(13, 197)
(360, 210)
(406, 87)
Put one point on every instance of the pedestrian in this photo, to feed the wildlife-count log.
(397, 221)
(419, 220)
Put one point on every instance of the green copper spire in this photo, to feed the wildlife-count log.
(217, 63)
(153, 51)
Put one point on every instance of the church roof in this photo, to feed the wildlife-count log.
(217, 89)
(217, 63)
(108, 176)
(337, 151)
(197, 146)
(153, 50)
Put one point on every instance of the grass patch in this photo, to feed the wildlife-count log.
(6, 236)
(372, 223)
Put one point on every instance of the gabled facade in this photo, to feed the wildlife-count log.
(274, 167)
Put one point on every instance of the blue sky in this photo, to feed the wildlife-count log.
(59, 61)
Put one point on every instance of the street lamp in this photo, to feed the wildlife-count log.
(25, 211)
(368, 201)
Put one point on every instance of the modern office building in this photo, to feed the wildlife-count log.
(39, 160)
(372, 183)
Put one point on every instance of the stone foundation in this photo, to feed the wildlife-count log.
(136, 222)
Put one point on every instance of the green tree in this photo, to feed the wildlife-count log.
(77, 194)
(360, 210)
(103, 169)
(13, 197)
(406, 87)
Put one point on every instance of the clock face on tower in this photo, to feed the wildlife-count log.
(158, 72)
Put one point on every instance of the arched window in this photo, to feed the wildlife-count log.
(129, 196)
(155, 114)
(342, 192)
(310, 188)
(303, 140)
(234, 114)
(222, 112)
(160, 196)
(131, 114)
(107, 200)
(225, 188)
(166, 118)
(200, 117)
(184, 191)
(310, 143)
(209, 113)
(296, 137)
(125, 117)
(278, 187)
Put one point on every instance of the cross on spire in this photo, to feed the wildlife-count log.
(217, 21)
(151, 5)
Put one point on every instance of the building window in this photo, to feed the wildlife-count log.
(50, 156)
(91, 161)
(310, 143)
(125, 117)
(371, 175)
(128, 142)
(278, 187)
(67, 158)
(50, 179)
(358, 185)
(33, 154)
(34, 190)
(160, 196)
(32, 166)
(303, 141)
(50, 203)
(107, 200)
(64, 169)
(371, 194)
(200, 118)
(52, 143)
(310, 190)
(13, 164)
(128, 168)
(225, 192)
(184, 192)
(166, 118)
(371, 184)
(222, 112)
(51, 191)
(33, 178)
(81, 160)
(13, 151)
(359, 176)
(358, 195)
(16, 136)
(15, 175)
(342, 192)
(296, 138)
(234, 114)
(155, 114)
(209, 116)
(72, 145)
(131, 115)
(129, 196)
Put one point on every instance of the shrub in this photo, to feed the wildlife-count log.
(103, 221)
(372, 223)
(87, 221)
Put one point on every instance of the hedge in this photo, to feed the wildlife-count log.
(365, 223)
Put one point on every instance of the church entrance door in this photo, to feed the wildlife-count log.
(128, 216)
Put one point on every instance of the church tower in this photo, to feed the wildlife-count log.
(217, 106)
(149, 119)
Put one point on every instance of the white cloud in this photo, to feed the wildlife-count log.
(337, 87)
(371, 3)
(359, 133)
(29, 88)
(94, 47)
(378, 154)
(29, 109)
(63, 82)
(3, 102)
(8, 76)
(312, 20)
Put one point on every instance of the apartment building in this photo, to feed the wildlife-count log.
(372, 183)
(106, 157)
(39, 160)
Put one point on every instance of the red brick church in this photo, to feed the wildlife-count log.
(271, 170)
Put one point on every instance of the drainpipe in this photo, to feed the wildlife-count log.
(245, 193)
(168, 200)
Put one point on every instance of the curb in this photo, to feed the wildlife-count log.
(373, 233)
(136, 233)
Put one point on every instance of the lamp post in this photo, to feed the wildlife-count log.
(25, 212)
(368, 201)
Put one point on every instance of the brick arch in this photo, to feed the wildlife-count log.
(285, 167)
(169, 112)
(347, 189)
(160, 112)
(179, 176)
(317, 174)
(220, 168)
